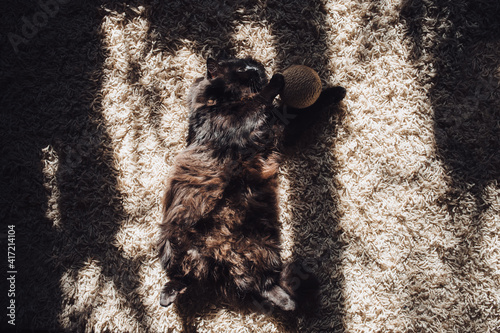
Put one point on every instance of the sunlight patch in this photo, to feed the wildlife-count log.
(50, 167)
(91, 297)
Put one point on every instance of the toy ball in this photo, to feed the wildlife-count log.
(302, 86)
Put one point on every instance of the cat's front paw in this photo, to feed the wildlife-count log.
(277, 81)
(273, 88)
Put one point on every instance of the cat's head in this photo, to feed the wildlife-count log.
(239, 76)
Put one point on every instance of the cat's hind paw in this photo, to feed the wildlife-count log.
(170, 292)
(280, 298)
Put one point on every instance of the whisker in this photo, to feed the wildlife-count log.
(253, 87)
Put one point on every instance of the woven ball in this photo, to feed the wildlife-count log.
(302, 86)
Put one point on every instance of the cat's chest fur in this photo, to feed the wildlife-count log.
(229, 127)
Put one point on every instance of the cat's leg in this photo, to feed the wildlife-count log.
(186, 270)
(280, 298)
(171, 290)
(273, 88)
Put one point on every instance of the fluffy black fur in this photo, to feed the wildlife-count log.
(220, 226)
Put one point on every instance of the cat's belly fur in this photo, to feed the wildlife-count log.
(232, 244)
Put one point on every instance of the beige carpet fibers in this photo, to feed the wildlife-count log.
(396, 200)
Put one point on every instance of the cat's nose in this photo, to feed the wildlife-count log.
(252, 73)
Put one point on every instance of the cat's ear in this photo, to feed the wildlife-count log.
(212, 68)
(223, 55)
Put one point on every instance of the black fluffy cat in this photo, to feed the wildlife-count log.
(220, 226)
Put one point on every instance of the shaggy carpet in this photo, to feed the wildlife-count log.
(395, 202)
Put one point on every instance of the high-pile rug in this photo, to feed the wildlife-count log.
(395, 203)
